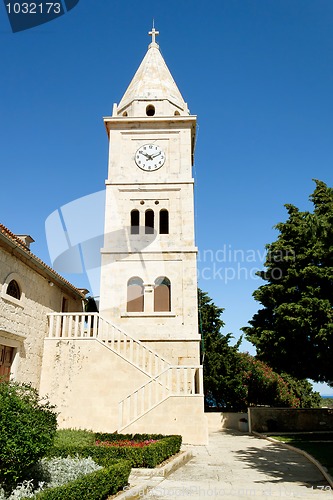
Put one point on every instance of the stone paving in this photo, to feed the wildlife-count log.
(237, 466)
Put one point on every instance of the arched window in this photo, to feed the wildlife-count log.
(135, 297)
(135, 221)
(164, 221)
(149, 221)
(13, 289)
(162, 294)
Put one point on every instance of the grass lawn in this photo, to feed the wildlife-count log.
(320, 446)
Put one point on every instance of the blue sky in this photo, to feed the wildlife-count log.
(259, 75)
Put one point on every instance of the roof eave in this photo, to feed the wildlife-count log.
(40, 266)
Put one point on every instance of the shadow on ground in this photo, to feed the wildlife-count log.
(281, 465)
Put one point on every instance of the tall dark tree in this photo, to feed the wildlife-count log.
(218, 357)
(293, 332)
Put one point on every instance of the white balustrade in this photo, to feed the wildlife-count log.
(91, 325)
(173, 381)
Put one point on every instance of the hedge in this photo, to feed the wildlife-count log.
(106, 436)
(148, 456)
(95, 486)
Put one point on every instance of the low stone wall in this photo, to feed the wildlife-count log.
(218, 421)
(262, 419)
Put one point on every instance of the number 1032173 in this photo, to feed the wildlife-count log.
(34, 8)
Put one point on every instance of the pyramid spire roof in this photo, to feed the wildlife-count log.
(153, 80)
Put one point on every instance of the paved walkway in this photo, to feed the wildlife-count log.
(238, 466)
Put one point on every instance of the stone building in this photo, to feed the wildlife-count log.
(135, 365)
(29, 291)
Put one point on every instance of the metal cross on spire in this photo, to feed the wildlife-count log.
(153, 33)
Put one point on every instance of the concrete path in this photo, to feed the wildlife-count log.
(238, 466)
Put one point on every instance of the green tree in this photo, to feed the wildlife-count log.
(303, 391)
(218, 357)
(90, 305)
(262, 386)
(27, 429)
(293, 332)
(326, 402)
(234, 380)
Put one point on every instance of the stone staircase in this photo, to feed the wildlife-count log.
(165, 380)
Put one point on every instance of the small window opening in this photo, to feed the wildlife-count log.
(13, 290)
(149, 222)
(164, 221)
(150, 110)
(64, 305)
(135, 221)
(125, 113)
(177, 113)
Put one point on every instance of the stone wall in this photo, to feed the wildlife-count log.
(24, 322)
(268, 420)
(218, 421)
(86, 381)
(176, 415)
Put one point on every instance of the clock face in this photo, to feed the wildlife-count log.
(149, 157)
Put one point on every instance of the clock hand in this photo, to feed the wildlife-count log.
(153, 156)
(146, 155)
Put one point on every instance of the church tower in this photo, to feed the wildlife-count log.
(149, 277)
(149, 270)
(134, 367)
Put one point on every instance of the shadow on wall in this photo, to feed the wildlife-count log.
(265, 420)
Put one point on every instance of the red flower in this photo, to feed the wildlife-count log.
(121, 443)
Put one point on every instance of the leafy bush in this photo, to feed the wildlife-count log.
(303, 390)
(22, 491)
(27, 428)
(263, 386)
(57, 471)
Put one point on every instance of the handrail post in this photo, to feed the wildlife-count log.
(95, 325)
(120, 415)
(201, 387)
(51, 326)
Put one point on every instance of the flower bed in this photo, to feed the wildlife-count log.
(141, 450)
(115, 453)
(126, 442)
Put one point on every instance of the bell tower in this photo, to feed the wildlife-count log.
(134, 367)
(149, 277)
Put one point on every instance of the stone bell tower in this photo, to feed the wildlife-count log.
(134, 367)
(149, 278)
